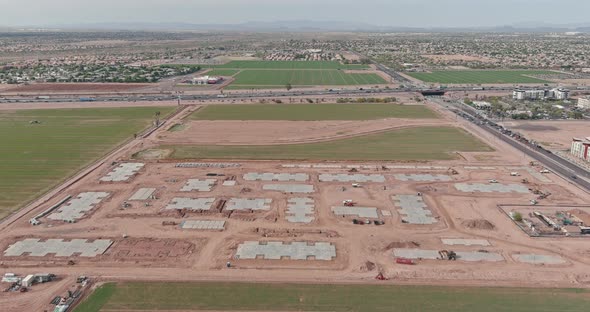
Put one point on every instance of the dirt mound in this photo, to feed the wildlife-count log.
(368, 266)
(401, 245)
(479, 224)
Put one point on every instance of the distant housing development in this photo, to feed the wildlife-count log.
(539, 94)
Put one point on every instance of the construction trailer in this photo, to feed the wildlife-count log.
(28, 281)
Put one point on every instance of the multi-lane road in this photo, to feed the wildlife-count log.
(570, 171)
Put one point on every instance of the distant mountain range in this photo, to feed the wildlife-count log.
(302, 26)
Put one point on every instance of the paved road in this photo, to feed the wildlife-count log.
(554, 163)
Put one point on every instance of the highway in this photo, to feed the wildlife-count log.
(232, 95)
(568, 170)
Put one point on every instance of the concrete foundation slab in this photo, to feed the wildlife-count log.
(416, 253)
(77, 207)
(229, 183)
(293, 251)
(423, 177)
(60, 248)
(284, 177)
(359, 178)
(538, 259)
(465, 242)
(470, 256)
(143, 194)
(191, 203)
(300, 210)
(491, 188)
(474, 256)
(413, 210)
(361, 212)
(248, 204)
(203, 225)
(122, 173)
(289, 188)
(207, 165)
(198, 185)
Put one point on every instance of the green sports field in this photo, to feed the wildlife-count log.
(420, 143)
(273, 74)
(36, 157)
(160, 296)
(481, 76)
(308, 112)
(256, 77)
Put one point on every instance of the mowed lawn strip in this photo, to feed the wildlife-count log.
(309, 112)
(420, 143)
(482, 76)
(35, 157)
(156, 296)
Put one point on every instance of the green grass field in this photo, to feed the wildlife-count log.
(286, 65)
(138, 296)
(481, 76)
(36, 157)
(272, 74)
(223, 72)
(301, 112)
(281, 77)
(421, 143)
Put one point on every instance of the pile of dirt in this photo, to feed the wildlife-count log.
(401, 245)
(368, 266)
(479, 224)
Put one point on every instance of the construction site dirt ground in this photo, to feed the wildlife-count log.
(148, 242)
(551, 133)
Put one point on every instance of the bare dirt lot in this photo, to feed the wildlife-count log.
(283, 132)
(552, 134)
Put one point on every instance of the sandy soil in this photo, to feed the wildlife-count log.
(552, 134)
(282, 132)
(143, 241)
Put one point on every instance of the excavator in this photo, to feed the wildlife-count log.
(447, 255)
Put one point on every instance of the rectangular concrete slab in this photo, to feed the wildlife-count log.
(474, 256)
(491, 188)
(413, 210)
(207, 165)
(248, 204)
(203, 225)
(538, 259)
(77, 207)
(361, 212)
(198, 185)
(123, 172)
(143, 194)
(279, 250)
(36, 248)
(284, 177)
(289, 188)
(300, 210)
(359, 178)
(191, 203)
(416, 253)
(423, 177)
(470, 256)
(229, 183)
(465, 242)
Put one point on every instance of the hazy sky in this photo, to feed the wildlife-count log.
(378, 12)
